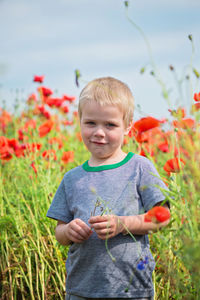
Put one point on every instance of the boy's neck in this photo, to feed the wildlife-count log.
(95, 162)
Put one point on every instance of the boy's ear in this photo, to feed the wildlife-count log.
(128, 128)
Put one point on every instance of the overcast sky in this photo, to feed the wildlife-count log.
(53, 38)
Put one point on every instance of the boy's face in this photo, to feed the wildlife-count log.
(103, 130)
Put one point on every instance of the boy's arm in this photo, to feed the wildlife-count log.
(75, 231)
(139, 226)
(108, 226)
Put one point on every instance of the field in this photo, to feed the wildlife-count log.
(40, 144)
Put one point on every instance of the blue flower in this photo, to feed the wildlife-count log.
(142, 263)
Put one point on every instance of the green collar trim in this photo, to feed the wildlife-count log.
(87, 168)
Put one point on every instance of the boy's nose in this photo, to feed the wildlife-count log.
(99, 132)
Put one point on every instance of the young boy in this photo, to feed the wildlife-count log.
(100, 206)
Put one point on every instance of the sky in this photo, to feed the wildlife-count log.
(53, 38)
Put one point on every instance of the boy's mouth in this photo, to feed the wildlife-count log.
(98, 143)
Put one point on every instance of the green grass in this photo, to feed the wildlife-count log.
(32, 264)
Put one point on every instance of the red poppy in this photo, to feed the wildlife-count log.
(19, 151)
(65, 109)
(69, 98)
(164, 147)
(67, 122)
(146, 149)
(5, 118)
(34, 167)
(56, 140)
(21, 136)
(33, 147)
(68, 156)
(39, 79)
(30, 124)
(45, 128)
(48, 153)
(182, 151)
(157, 214)
(197, 96)
(79, 136)
(125, 141)
(41, 109)
(45, 91)
(32, 98)
(13, 143)
(5, 151)
(184, 123)
(147, 123)
(54, 102)
(3, 141)
(196, 106)
(173, 165)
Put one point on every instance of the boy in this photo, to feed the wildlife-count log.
(100, 205)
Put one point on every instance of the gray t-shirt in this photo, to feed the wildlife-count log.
(124, 189)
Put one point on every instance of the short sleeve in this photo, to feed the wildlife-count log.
(59, 208)
(150, 186)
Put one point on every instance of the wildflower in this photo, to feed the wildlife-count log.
(146, 149)
(197, 96)
(48, 153)
(142, 263)
(126, 3)
(34, 167)
(5, 118)
(69, 98)
(3, 141)
(173, 165)
(45, 91)
(41, 109)
(190, 37)
(13, 143)
(45, 128)
(196, 73)
(56, 140)
(196, 107)
(164, 147)
(184, 123)
(21, 136)
(125, 141)
(147, 123)
(30, 124)
(141, 129)
(32, 98)
(54, 102)
(180, 113)
(157, 214)
(65, 109)
(77, 76)
(67, 122)
(39, 79)
(79, 136)
(68, 156)
(33, 147)
(5, 151)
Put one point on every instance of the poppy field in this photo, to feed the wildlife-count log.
(40, 144)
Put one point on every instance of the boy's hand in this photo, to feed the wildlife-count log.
(106, 226)
(77, 231)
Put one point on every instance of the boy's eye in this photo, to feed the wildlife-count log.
(90, 123)
(111, 125)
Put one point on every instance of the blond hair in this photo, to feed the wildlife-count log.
(106, 91)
